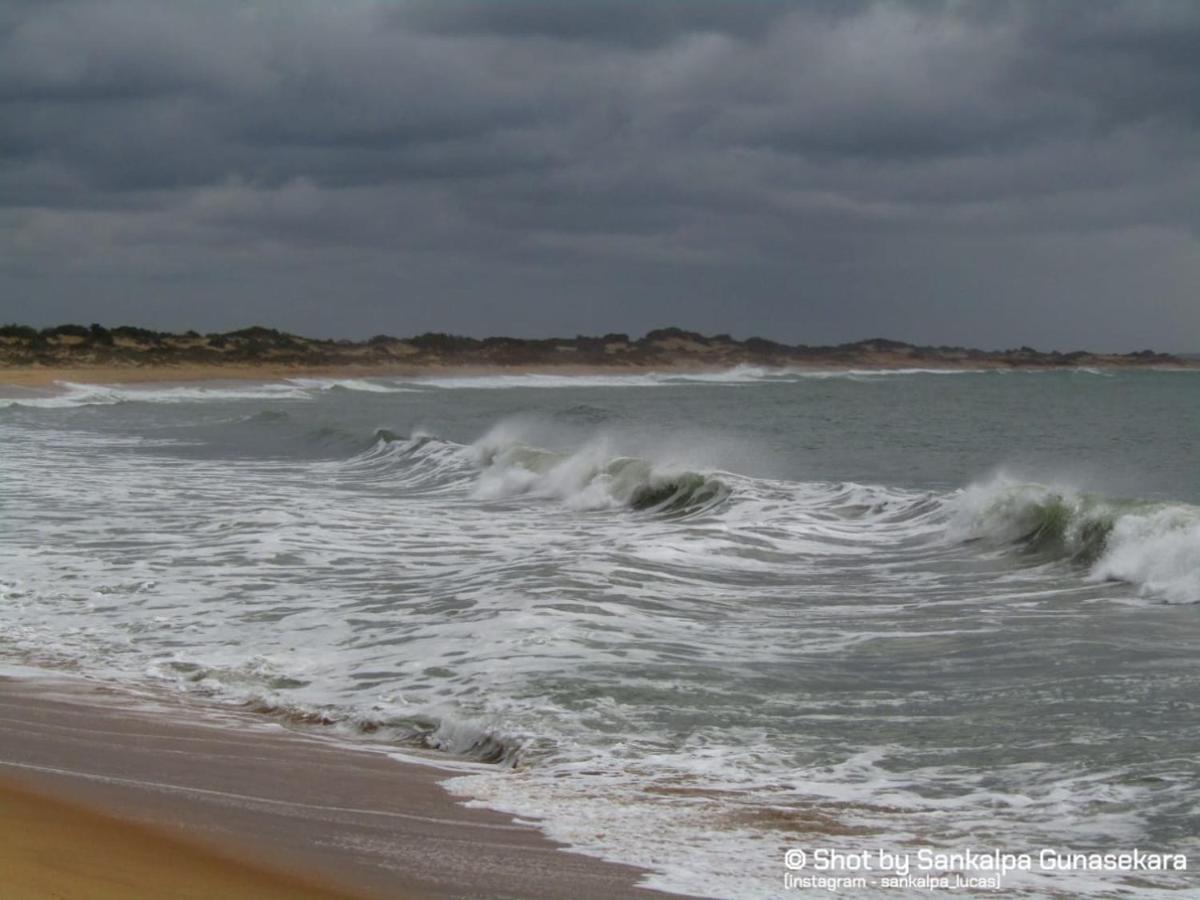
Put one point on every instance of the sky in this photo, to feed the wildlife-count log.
(988, 174)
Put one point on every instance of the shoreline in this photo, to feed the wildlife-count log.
(48, 376)
(229, 797)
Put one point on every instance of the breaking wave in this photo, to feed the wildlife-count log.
(1154, 546)
(592, 477)
(419, 462)
(499, 466)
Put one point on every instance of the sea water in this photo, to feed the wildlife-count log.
(689, 622)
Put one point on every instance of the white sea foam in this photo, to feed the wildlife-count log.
(738, 375)
(68, 394)
(368, 385)
(539, 380)
(1157, 550)
(1154, 546)
(593, 476)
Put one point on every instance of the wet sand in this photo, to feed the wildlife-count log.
(53, 849)
(101, 793)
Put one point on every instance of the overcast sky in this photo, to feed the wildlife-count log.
(991, 174)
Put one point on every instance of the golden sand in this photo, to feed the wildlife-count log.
(43, 376)
(261, 797)
(50, 849)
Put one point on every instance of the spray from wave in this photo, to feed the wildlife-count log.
(1152, 545)
(591, 477)
(502, 465)
(1155, 546)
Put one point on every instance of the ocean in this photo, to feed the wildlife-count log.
(686, 622)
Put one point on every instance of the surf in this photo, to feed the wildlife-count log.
(1153, 545)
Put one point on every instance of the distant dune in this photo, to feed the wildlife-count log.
(137, 353)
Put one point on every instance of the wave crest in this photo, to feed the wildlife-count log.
(592, 477)
(1155, 546)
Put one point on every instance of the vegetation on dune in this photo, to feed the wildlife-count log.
(18, 332)
(70, 344)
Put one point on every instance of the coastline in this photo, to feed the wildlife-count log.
(47, 376)
(183, 792)
(129, 354)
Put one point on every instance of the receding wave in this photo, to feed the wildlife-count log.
(262, 687)
(457, 737)
(1155, 546)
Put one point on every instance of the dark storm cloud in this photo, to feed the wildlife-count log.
(987, 173)
(619, 22)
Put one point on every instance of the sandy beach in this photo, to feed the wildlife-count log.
(53, 849)
(48, 376)
(103, 796)
(45, 376)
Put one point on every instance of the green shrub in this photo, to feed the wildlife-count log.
(66, 331)
(445, 343)
(140, 335)
(98, 334)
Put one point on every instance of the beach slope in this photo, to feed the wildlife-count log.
(53, 849)
(102, 792)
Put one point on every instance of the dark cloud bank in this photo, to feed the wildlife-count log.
(990, 173)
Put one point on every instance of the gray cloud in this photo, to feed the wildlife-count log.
(991, 173)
